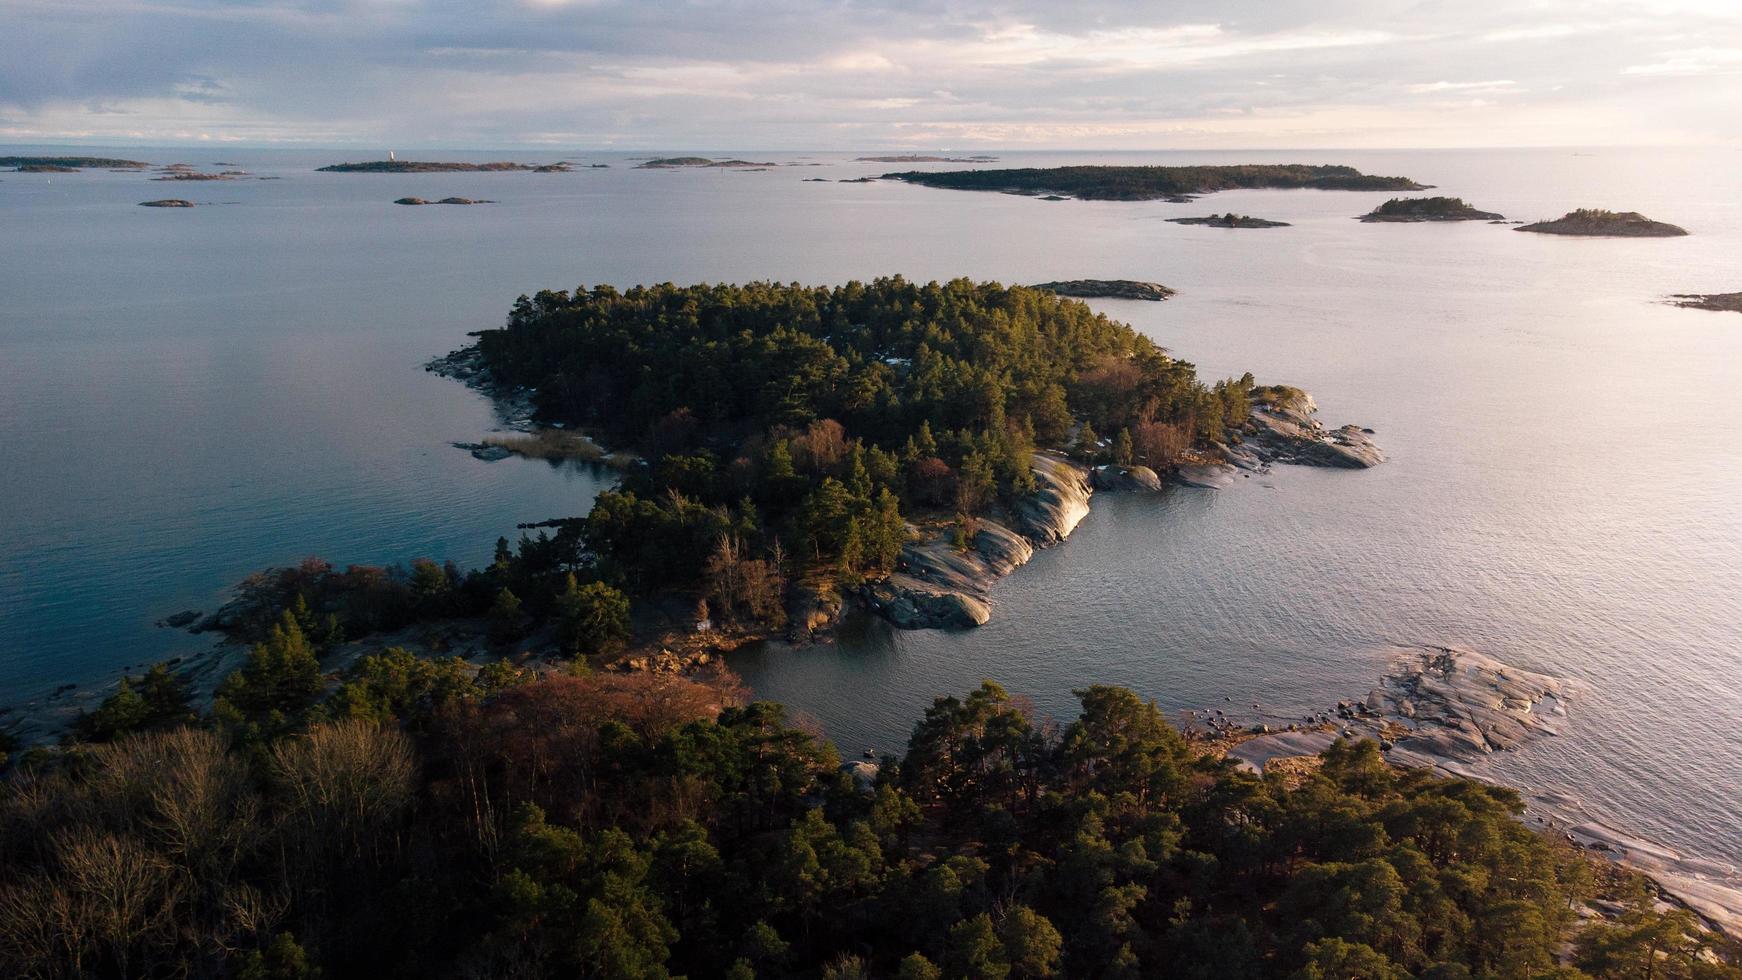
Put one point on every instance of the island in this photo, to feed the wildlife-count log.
(1107, 289)
(45, 168)
(1721, 302)
(415, 201)
(1230, 220)
(65, 164)
(918, 158)
(425, 167)
(679, 163)
(1411, 209)
(174, 174)
(168, 202)
(1595, 222)
(1122, 183)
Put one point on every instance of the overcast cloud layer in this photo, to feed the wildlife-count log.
(872, 73)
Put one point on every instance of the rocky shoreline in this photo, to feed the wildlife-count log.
(1449, 708)
(938, 585)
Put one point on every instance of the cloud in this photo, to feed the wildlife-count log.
(1694, 61)
(860, 73)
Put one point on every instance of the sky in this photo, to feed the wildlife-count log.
(872, 74)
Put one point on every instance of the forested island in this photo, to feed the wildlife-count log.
(1428, 209)
(71, 163)
(1104, 183)
(425, 166)
(1596, 222)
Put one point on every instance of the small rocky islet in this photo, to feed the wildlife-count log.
(1413, 209)
(1598, 223)
(168, 202)
(1107, 289)
(1229, 220)
(418, 201)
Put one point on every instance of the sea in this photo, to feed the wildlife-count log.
(190, 395)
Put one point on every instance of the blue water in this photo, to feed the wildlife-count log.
(186, 396)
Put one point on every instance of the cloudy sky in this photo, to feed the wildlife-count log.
(858, 74)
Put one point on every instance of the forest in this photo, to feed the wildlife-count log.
(429, 820)
(1109, 183)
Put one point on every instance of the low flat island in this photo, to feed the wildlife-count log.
(1230, 220)
(1107, 289)
(698, 163)
(69, 164)
(1155, 183)
(435, 167)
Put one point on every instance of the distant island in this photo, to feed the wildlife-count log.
(1155, 183)
(194, 175)
(916, 158)
(1230, 220)
(414, 201)
(66, 164)
(427, 167)
(675, 163)
(168, 202)
(1107, 289)
(1596, 222)
(1722, 302)
(46, 168)
(1429, 209)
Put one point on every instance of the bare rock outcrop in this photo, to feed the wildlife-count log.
(938, 585)
(1283, 429)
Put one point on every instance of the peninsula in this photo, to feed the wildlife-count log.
(1722, 302)
(1594, 222)
(1409, 209)
(425, 167)
(1230, 220)
(1100, 183)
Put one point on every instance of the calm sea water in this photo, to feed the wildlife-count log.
(186, 396)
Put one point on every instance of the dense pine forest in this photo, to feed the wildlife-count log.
(428, 820)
